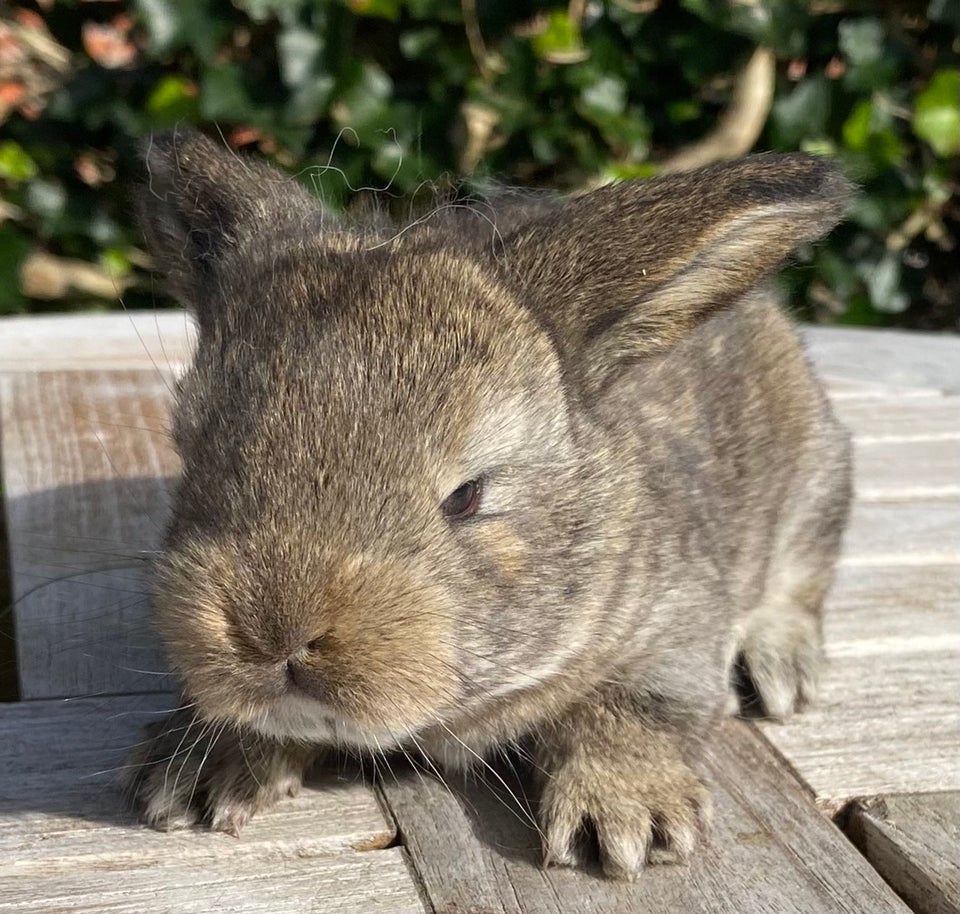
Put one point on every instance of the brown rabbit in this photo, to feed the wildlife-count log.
(455, 488)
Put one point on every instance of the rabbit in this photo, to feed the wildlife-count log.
(546, 478)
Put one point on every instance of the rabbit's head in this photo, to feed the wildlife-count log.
(396, 504)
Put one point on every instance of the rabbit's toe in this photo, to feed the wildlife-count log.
(186, 772)
(781, 654)
(654, 818)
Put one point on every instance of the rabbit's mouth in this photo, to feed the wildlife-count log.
(304, 719)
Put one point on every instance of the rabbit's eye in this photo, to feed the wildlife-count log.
(463, 501)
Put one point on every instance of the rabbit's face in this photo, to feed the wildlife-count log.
(379, 497)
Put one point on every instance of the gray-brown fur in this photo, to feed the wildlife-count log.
(664, 487)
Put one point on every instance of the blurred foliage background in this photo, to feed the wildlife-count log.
(412, 96)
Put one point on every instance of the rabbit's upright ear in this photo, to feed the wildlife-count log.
(200, 203)
(628, 270)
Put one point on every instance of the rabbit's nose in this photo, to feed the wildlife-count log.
(305, 669)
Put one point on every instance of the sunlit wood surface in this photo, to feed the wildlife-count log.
(824, 814)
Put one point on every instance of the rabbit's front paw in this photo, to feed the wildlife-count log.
(644, 803)
(186, 771)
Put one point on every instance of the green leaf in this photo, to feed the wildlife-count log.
(936, 113)
(560, 41)
(172, 24)
(819, 146)
(869, 129)
(299, 50)
(618, 171)
(47, 199)
(15, 162)
(222, 94)
(946, 11)
(871, 62)
(856, 128)
(417, 43)
(163, 23)
(860, 313)
(261, 10)
(116, 262)
(379, 9)
(607, 96)
(14, 247)
(309, 102)
(802, 114)
(861, 40)
(173, 99)
(361, 101)
(683, 110)
(883, 280)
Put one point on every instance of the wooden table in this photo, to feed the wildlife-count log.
(824, 814)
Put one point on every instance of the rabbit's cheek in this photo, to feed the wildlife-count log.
(504, 552)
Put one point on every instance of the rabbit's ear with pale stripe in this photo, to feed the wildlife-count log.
(628, 270)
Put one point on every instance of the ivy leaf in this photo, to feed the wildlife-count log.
(871, 63)
(882, 280)
(361, 102)
(222, 94)
(379, 9)
(869, 129)
(173, 99)
(560, 41)
(802, 114)
(15, 162)
(173, 24)
(605, 97)
(300, 50)
(14, 247)
(936, 114)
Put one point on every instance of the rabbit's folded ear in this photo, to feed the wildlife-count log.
(628, 270)
(200, 203)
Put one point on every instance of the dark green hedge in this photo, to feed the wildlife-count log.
(409, 95)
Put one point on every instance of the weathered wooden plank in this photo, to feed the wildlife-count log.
(770, 851)
(65, 835)
(915, 532)
(60, 799)
(89, 634)
(85, 461)
(121, 340)
(914, 843)
(841, 389)
(886, 359)
(907, 469)
(888, 713)
(373, 883)
(873, 419)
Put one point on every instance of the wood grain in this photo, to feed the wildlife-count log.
(913, 842)
(886, 470)
(85, 462)
(895, 418)
(85, 469)
(888, 714)
(882, 360)
(770, 851)
(910, 532)
(66, 839)
(146, 340)
(372, 883)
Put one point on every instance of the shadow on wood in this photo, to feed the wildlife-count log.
(81, 587)
(770, 850)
